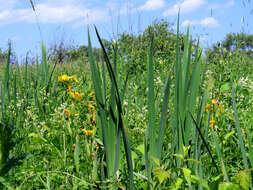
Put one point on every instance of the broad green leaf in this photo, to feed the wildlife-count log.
(177, 184)
(141, 148)
(156, 161)
(179, 156)
(243, 178)
(229, 134)
(187, 175)
(228, 186)
(134, 155)
(193, 160)
(161, 174)
(225, 87)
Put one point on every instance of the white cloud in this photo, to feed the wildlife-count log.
(216, 6)
(185, 6)
(55, 12)
(152, 5)
(230, 3)
(209, 22)
(6, 5)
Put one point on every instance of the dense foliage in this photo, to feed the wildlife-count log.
(147, 111)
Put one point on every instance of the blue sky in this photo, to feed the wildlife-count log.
(210, 20)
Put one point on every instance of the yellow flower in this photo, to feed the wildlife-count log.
(88, 132)
(221, 107)
(212, 122)
(224, 50)
(114, 42)
(213, 101)
(94, 117)
(208, 107)
(69, 87)
(90, 107)
(76, 95)
(64, 78)
(74, 78)
(67, 112)
(90, 94)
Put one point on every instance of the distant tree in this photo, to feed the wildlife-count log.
(133, 48)
(239, 41)
(3, 55)
(234, 43)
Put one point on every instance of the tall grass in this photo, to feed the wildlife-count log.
(191, 157)
(113, 128)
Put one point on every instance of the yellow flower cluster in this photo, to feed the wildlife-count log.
(65, 78)
(92, 111)
(91, 116)
(76, 95)
(214, 102)
(212, 106)
(88, 132)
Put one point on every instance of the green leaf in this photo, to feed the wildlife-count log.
(228, 186)
(229, 134)
(187, 175)
(141, 148)
(156, 161)
(151, 102)
(179, 156)
(161, 174)
(243, 178)
(6, 183)
(193, 160)
(177, 184)
(76, 155)
(225, 87)
(238, 128)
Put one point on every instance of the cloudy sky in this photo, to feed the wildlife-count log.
(210, 20)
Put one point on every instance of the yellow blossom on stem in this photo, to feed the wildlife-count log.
(76, 95)
(67, 112)
(64, 78)
(69, 87)
(94, 117)
(88, 132)
(90, 94)
(74, 78)
(213, 101)
(212, 122)
(208, 106)
(221, 108)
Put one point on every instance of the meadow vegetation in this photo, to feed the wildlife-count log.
(151, 111)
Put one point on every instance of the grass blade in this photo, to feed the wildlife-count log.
(163, 119)
(121, 124)
(204, 141)
(76, 155)
(101, 106)
(239, 133)
(151, 102)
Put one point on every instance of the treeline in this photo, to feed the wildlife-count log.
(132, 48)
